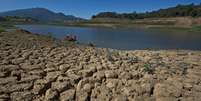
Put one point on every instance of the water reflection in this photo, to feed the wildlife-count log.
(123, 38)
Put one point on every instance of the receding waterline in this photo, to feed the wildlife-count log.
(127, 39)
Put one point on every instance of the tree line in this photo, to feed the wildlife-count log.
(17, 18)
(178, 11)
(2, 19)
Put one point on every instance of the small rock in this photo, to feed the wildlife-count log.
(61, 86)
(52, 69)
(9, 88)
(27, 54)
(146, 89)
(51, 76)
(51, 95)
(99, 67)
(125, 75)
(37, 72)
(81, 84)
(188, 86)
(168, 99)
(18, 61)
(62, 78)
(97, 84)
(86, 73)
(110, 74)
(64, 67)
(17, 72)
(98, 76)
(74, 78)
(127, 91)
(39, 86)
(87, 87)
(197, 88)
(22, 96)
(120, 98)
(29, 78)
(168, 89)
(4, 96)
(7, 80)
(29, 67)
(3, 74)
(101, 93)
(68, 95)
(111, 83)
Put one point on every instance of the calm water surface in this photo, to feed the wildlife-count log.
(123, 38)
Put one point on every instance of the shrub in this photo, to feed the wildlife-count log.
(2, 29)
(197, 28)
(148, 68)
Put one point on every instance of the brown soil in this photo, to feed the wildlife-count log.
(94, 74)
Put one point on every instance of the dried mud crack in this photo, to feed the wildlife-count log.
(49, 73)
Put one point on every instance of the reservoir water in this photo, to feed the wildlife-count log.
(121, 38)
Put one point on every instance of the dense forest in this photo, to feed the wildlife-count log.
(2, 19)
(17, 19)
(178, 11)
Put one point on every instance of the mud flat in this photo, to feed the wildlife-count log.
(56, 73)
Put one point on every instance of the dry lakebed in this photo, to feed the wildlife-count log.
(34, 68)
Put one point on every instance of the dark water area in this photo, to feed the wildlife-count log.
(125, 39)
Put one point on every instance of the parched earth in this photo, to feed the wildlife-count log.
(51, 73)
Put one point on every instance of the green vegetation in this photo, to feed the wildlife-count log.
(5, 25)
(178, 11)
(148, 68)
(2, 29)
(168, 28)
(196, 28)
(8, 22)
(19, 19)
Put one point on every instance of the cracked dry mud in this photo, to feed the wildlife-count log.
(95, 74)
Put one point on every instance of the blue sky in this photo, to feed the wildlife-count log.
(86, 8)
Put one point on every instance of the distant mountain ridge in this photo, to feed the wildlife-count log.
(41, 14)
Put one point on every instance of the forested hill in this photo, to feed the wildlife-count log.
(178, 11)
(41, 14)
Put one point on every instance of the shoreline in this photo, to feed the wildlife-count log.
(193, 28)
(88, 44)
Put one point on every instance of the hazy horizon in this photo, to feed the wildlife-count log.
(87, 8)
